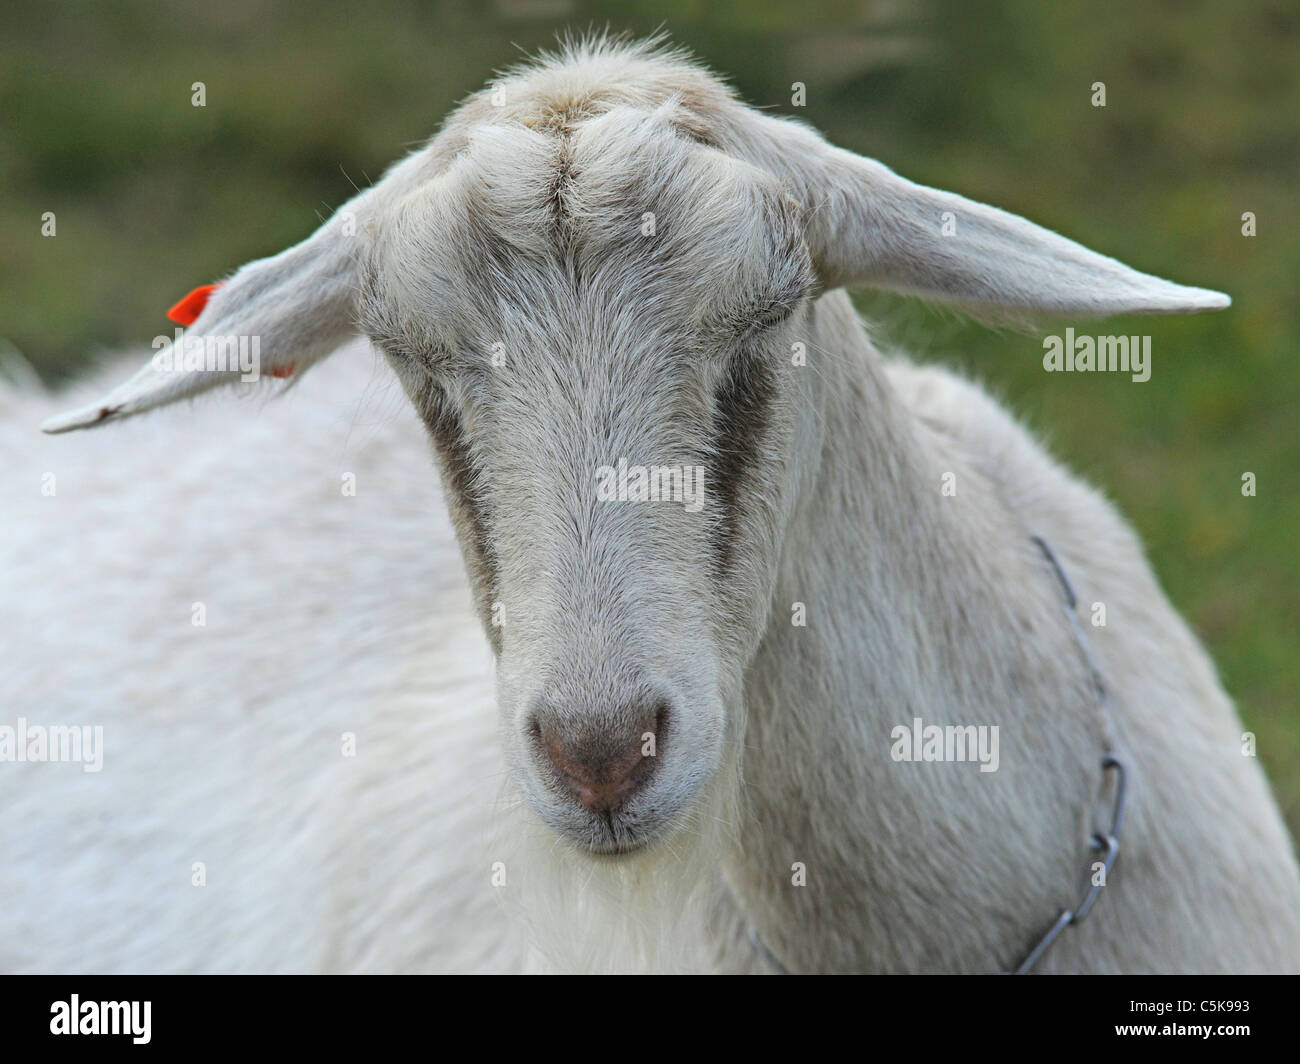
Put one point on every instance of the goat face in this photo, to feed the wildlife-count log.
(596, 331)
(586, 300)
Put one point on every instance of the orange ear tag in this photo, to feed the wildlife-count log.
(187, 311)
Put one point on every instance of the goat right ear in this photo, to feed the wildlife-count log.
(300, 305)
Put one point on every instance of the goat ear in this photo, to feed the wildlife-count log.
(869, 226)
(297, 306)
(300, 305)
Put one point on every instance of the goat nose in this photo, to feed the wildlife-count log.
(602, 767)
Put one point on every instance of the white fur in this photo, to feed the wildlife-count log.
(329, 614)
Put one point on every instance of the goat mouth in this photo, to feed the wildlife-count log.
(611, 837)
(608, 837)
(613, 851)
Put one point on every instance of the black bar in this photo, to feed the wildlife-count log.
(341, 1013)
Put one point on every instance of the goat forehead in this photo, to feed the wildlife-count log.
(620, 188)
(621, 226)
(617, 243)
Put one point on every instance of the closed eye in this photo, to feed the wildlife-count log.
(744, 320)
(773, 312)
(740, 420)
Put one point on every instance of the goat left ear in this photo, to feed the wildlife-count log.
(868, 226)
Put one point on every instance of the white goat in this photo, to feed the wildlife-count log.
(607, 257)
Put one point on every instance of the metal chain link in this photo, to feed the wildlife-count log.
(1105, 842)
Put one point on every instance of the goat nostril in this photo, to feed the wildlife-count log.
(600, 768)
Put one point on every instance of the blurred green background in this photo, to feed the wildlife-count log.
(154, 196)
